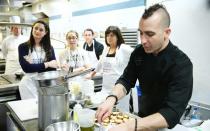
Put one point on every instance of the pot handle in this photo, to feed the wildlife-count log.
(73, 74)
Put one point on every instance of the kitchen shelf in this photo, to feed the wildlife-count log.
(131, 36)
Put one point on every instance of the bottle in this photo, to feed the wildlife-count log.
(196, 113)
(76, 109)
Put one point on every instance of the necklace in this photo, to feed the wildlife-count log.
(74, 57)
(39, 57)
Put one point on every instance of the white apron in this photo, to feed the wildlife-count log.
(12, 66)
(12, 62)
(110, 77)
(75, 59)
(93, 61)
(27, 86)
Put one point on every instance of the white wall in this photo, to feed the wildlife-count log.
(190, 32)
(123, 18)
(100, 21)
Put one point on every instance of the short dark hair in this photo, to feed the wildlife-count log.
(157, 7)
(89, 29)
(115, 30)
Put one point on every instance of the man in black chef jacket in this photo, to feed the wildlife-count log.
(164, 72)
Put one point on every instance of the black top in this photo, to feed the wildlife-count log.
(166, 81)
(89, 48)
(98, 48)
(23, 50)
(111, 55)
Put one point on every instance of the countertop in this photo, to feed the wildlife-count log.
(32, 125)
(8, 82)
(28, 125)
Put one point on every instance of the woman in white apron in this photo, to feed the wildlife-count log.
(36, 55)
(73, 56)
(113, 61)
(10, 50)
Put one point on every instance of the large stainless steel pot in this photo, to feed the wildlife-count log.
(53, 98)
(64, 126)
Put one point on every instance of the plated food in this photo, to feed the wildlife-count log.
(116, 118)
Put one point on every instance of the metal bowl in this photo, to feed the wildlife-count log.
(64, 126)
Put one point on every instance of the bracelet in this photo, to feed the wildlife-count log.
(135, 129)
(114, 97)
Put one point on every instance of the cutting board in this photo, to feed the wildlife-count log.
(25, 109)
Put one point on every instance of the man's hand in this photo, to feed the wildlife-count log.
(127, 126)
(105, 109)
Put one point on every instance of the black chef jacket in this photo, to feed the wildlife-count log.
(166, 81)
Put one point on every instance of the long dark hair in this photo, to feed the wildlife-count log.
(116, 31)
(45, 41)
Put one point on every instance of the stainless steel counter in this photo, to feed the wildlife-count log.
(8, 81)
(8, 92)
(9, 88)
(2, 65)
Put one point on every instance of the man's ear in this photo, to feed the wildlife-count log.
(167, 33)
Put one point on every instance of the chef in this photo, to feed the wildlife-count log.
(164, 72)
(10, 50)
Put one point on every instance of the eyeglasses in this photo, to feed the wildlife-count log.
(71, 38)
